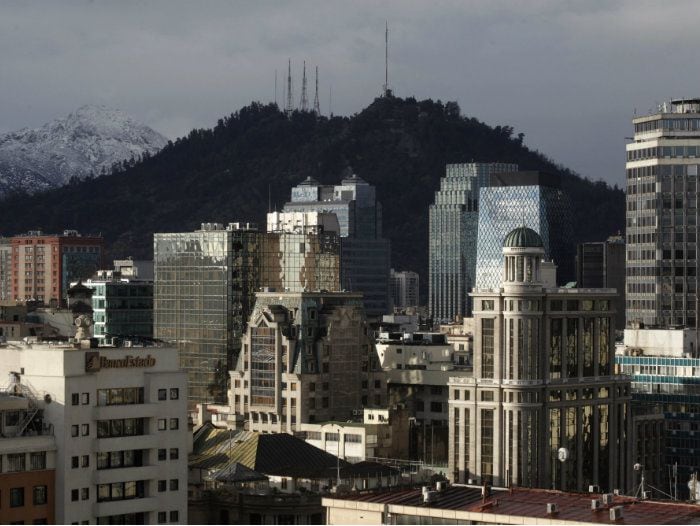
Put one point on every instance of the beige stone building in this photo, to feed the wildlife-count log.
(544, 407)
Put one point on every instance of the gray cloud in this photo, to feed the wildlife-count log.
(568, 74)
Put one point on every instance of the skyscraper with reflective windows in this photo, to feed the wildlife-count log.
(529, 198)
(662, 216)
(205, 285)
(364, 253)
(452, 237)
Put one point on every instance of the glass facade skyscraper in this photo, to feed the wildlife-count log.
(662, 216)
(452, 239)
(364, 253)
(532, 199)
(205, 284)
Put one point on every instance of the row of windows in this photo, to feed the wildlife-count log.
(40, 496)
(122, 396)
(683, 124)
(662, 151)
(16, 462)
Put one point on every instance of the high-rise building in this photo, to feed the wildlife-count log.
(122, 307)
(365, 254)
(403, 288)
(664, 366)
(452, 238)
(119, 423)
(531, 199)
(44, 265)
(306, 358)
(205, 285)
(544, 407)
(602, 265)
(662, 216)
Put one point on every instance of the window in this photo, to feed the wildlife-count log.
(162, 485)
(120, 427)
(74, 462)
(174, 423)
(85, 461)
(85, 494)
(37, 460)
(377, 384)
(174, 484)
(162, 394)
(15, 462)
(74, 430)
(120, 491)
(487, 396)
(162, 424)
(74, 495)
(174, 453)
(174, 516)
(162, 454)
(75, 398)
(162, 517)
(85, 398)
(120, 396)
(85, 430)
(39, 495)
(16, 497)
(487, 305)
(436, 407)
(174, 393)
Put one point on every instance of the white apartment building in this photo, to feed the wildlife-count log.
(119, 419)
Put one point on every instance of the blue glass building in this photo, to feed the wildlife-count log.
(528, 198)
(452, 239)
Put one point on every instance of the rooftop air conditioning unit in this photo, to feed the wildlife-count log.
(594, 489)
(616, 513)
(596, 504)
(552, 508)
(607, 499)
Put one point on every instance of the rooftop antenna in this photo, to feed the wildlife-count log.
(275, 87)
(288, 108)
(304, 105)
(317, 106)
(386, 59)
(330, 101)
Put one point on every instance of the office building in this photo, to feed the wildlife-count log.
(27, 457)
(544, 407)
(403, 289)
(44, 265)
(205, 284)
(119, 422)
(602, 265)
(531, 199)
(662, 179)
(664, 365)
(453, 222)
(306, 357)
(141, 269)
(365, 254)
(122, 307)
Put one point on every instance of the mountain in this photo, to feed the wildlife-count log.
(84, 144)
(228, 173)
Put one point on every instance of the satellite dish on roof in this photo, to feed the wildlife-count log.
(563, 454)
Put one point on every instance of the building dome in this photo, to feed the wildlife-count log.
(523, 237)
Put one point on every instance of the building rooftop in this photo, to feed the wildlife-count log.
(506, 504)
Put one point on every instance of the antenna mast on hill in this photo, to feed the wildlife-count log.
(317, 105)
(386, 59)
(304, 105)
(288, 107)
(275, 87)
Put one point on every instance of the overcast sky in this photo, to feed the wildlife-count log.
(569, 75)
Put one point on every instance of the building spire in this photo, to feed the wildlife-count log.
(387, 92)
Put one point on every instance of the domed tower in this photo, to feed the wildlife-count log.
(523, 251)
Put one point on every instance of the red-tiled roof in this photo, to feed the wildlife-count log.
(532, 503)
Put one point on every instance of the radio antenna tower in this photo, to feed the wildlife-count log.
(304, 105)
(317, 105)
(387, 91)
(275, 87)
(288, 107)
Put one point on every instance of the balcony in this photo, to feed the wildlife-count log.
(107, 476)
(120, 507)
(126, 442)
(111, 412)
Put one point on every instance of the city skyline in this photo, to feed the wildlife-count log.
(493, 59)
